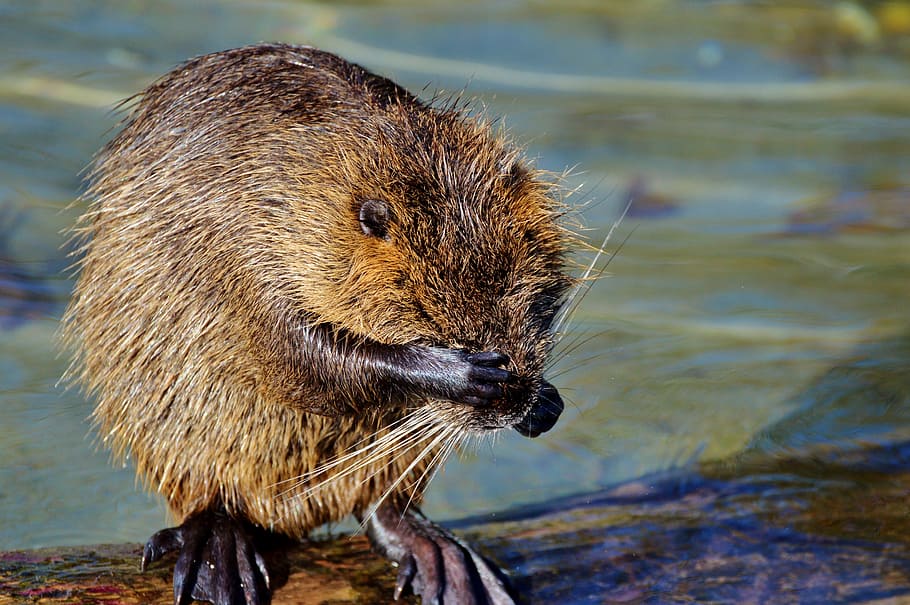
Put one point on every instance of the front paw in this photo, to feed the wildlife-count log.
(475, 379)
(433, 563)
(485, 378)
(217, 560)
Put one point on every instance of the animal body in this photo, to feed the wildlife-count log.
(299, 288)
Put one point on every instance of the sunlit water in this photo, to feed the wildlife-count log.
(768, 246)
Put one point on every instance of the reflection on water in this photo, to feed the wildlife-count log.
(833, 531)
(863, 400)
(758, 302)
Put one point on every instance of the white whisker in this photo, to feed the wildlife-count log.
(364, 444)
(429, 473)
(442, 436)
(584, 281)
(380, 455)
(406, 432)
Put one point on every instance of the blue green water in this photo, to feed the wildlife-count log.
(769, 148)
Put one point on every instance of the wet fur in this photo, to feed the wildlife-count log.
(228, 298)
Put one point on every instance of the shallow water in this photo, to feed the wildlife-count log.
(768, 149)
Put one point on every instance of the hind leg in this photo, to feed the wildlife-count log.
(433, 563)
(217, 560)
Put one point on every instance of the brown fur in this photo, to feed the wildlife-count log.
(224, 216)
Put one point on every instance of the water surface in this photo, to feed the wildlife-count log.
(768, 148)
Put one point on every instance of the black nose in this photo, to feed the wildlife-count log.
(544, 414)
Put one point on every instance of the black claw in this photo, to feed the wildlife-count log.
(407, 568)
(490, 375)
(490, 359)
(253, 575)
(163, 542)
(186, 572)
(263, 571)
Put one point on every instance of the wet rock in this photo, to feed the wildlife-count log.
(789, 531)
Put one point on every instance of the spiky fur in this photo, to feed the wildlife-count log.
(222, 226)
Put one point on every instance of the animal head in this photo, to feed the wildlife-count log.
(431, 229)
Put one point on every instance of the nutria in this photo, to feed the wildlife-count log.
(300, 287)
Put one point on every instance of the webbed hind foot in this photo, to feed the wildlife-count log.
(217, 560)
(434, 563)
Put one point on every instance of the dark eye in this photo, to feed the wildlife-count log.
(374, 218)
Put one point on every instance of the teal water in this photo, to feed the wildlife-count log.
(768, 146)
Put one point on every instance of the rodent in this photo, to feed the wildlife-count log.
(284, 257)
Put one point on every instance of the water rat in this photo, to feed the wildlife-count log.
(299, 288)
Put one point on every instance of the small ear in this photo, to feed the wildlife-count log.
(374, 218)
